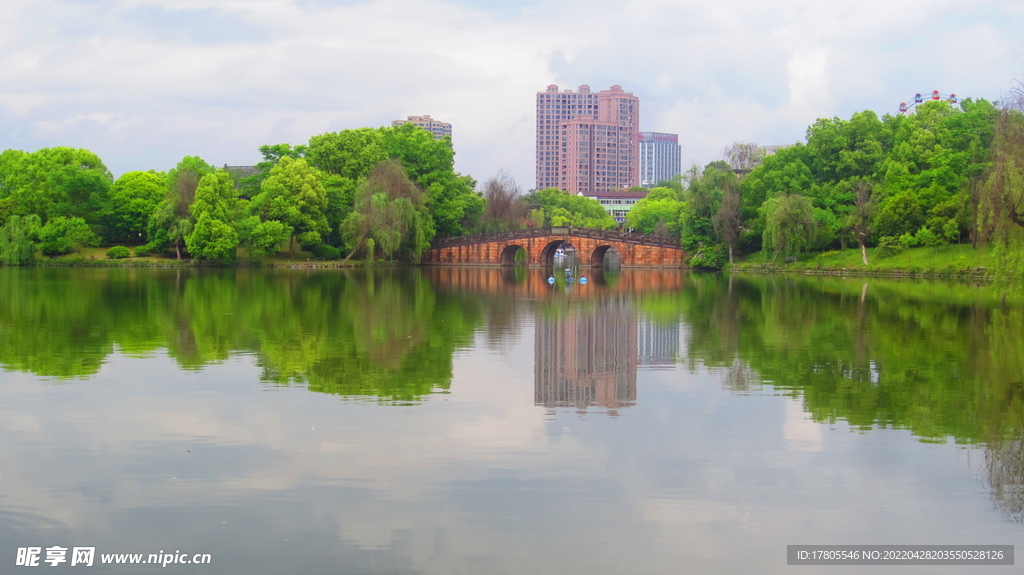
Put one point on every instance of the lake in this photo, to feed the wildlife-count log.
(450, 420)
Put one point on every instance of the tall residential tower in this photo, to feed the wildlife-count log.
(659, 158)
(588, 142)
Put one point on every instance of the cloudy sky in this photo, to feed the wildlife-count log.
(144, 82)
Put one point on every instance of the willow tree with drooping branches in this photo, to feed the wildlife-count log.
(389, 216)
(789, 224)
(17, 245)
(1001, 190)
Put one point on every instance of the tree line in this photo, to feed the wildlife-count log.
(375, 192)
(946, 174)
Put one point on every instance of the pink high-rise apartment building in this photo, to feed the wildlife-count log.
(587, 142)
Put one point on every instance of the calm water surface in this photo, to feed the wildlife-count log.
(479, 421)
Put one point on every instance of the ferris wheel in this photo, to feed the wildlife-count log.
(918, 99)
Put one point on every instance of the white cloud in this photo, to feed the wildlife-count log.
(144, 83)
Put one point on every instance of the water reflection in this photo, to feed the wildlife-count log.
(587, 356)
(377, 333)
(941, 360)
(187, 421)
(1004, 464)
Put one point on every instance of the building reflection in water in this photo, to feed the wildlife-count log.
(657, 344)
(589, 339)
(589, 355)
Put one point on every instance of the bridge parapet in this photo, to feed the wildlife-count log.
(607, 235)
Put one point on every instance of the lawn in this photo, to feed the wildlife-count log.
(98, 256)
(953, 259)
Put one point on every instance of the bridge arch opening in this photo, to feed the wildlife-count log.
(514, 254)
(560, 249)
(606, 256)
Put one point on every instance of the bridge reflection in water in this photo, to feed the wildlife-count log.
(589, 340)
(532, 283)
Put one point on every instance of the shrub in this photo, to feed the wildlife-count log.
(708, 257)
(926, 237)
(908, 240)
(326, 252)
(143, 251)
(888, 247)
(951, 231)
(62, 235)
(118, 252)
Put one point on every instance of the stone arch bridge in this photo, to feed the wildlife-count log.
(539, 244)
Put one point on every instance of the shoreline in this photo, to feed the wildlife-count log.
(980, 273)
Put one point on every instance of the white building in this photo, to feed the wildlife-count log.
(659, 158)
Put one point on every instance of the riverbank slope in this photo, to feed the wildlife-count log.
(955, 260)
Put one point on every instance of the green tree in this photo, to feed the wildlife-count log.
(920, 167)
(350, 154)
(10, 160)
(843, 149)
(17, 240)
(430, 163)
(263, 238)
(789, 224)
(657, 213)
(452, 204)
(703, 195)
(347, 158)
(55, 182)
(294, 195)
(251, 186)
(899, 214)
(1001, 191)
(61, 235)
(215, 211)
(133, 198)
(389, 215)
(564, 209)
(728, 219)
(172, 221)
(786, 171)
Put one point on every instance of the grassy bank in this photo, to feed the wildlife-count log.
(956, 260)
(97, 257)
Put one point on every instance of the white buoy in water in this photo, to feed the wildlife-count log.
(551, 279)
(583, 280)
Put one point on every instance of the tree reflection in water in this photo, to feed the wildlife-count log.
(941, 360)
